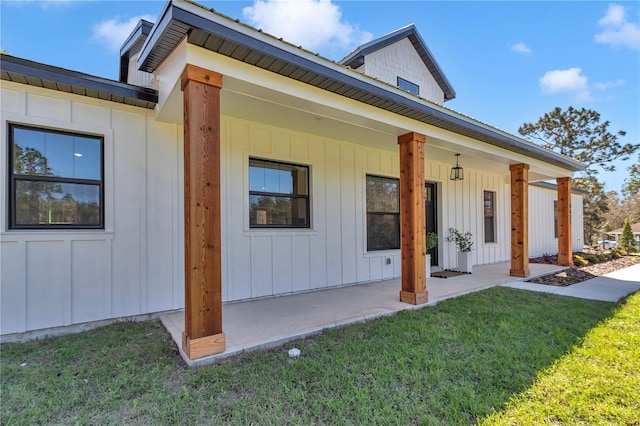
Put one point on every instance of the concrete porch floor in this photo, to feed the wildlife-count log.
(269, 322)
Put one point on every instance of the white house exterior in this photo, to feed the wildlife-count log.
(327, 129)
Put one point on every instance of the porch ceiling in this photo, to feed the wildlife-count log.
(247, 101)
(217, 33)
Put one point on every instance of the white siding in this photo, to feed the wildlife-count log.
(542, 238)
(262, 262)
(400, 59)
(57, 278)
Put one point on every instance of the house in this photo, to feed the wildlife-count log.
(229, 165)
(635, 228)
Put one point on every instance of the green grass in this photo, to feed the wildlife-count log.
(480, 357)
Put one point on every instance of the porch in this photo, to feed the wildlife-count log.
(269, 322)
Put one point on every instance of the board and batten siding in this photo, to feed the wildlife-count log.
(54, 278)
(332, 252)
(542, 238)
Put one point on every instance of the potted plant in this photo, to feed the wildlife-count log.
(432, 242)
(463, 244)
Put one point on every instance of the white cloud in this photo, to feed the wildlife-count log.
(609, 85)
(114, 32)
(617, 30)
(521, 48)
(312, 24)
(566, 81)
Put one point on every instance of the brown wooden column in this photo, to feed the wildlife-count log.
(519, 220)
(412, 219)
(202, 239)
(565, 251)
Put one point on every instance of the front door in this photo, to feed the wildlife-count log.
(430, 205)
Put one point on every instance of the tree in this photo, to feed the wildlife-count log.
(626, 239)
(578, 133)
(632, 183)
(595, 207)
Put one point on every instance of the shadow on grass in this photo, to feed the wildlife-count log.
(449, 364)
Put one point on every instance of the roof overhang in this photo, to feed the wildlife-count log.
(40, 75)
(132, 45)
(356, 58)
(217, 33)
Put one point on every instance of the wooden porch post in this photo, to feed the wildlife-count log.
(412, 219)
(519, 220)
(565, 252)
(203, 334)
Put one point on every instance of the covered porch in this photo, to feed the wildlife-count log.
(259, 324)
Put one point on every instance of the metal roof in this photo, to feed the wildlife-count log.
(132, 45)
(356, 58)
(554, 187)
(40, 75)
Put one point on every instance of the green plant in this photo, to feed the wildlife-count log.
(432, 240)
(579, 260)
(463, 241)
(627, 240)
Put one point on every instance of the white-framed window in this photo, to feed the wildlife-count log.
(408, 86)
(383, 213)
(278, 195)
(489, 212)
(56, 179)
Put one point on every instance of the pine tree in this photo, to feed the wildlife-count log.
(627, 241)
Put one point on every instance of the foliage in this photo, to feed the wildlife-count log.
(452, 363)
(463, 241)
(432, 240)
(632, 183)
(579, 134)
(580, 260)
(595, 207)
(627, 240)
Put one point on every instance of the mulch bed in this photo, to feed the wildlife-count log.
(577, 274)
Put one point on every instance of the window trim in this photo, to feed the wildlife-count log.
(13, 178)
(408, 86)
(254, 227)
(494, 217)
(377, 213)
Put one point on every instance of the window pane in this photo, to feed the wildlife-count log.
(277, 211)
(408, 86)
(382, 195)
(383, 231)
(489, 217)
(43, 153)
(268, 176)
(50, 203)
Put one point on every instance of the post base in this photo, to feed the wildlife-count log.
(203, 346)
(414, 298)
(522, 273)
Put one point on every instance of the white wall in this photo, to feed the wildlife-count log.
(400, 59)
(54, 278)
(332, 252)
(542, 238)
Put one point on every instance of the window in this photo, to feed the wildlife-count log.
(278, 195)
(489, 217)
(55, 179)
(383, 213)
(408, 86)
(555, 218)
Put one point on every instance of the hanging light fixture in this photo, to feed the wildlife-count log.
(456, 172)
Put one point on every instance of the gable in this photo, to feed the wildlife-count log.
(401, 59)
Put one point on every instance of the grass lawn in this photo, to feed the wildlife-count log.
(498, 356)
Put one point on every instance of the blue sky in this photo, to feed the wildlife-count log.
(508, 61)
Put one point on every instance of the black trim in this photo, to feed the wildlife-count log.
(13, 178)
(176, 23)
(395, 214)
(48, 76)
(306, 197)
(132, 45)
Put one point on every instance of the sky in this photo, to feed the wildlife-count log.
(510, 62)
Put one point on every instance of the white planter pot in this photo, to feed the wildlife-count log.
(428, 266)
(464, 262)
